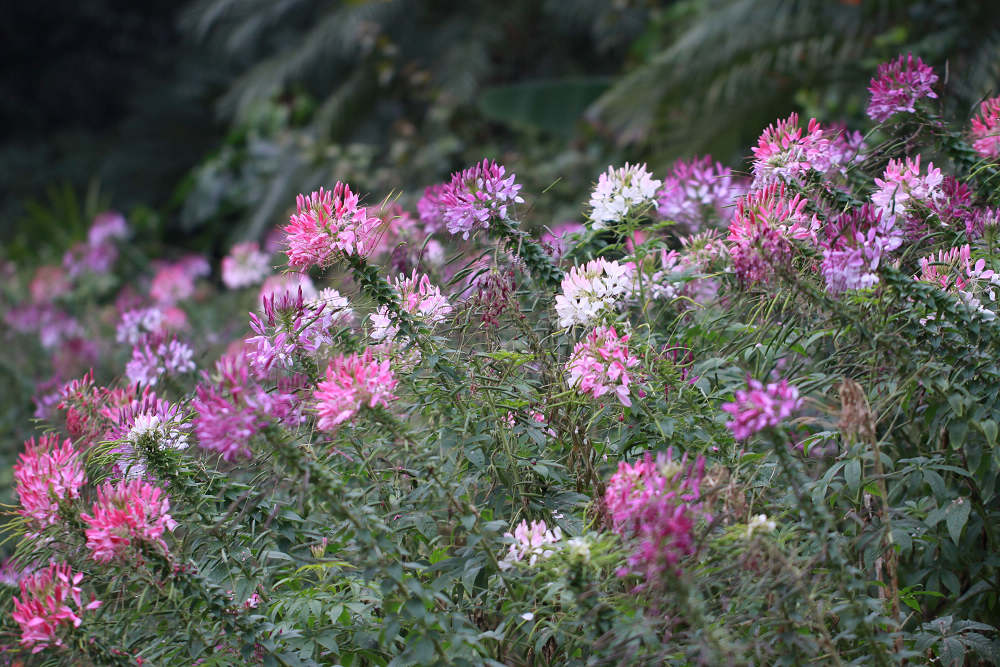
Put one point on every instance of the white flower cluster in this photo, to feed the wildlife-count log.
(621, 191)
(760, 524)
(530, 542)
(591, 289)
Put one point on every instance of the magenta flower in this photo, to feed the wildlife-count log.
(599, 365)
(898, 86)
(151, 361)
(762, 229)
(418, 297)
(784, 153)
(127, 514)
(471, 199)
(48, 474)
(224, 425)
(758, 407)
(699, 194)
(353, 382)
(327, 224)
(44, 607)
(986, 129)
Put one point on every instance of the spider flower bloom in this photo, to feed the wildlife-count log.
(762, 229)
(418, 297)
(784, 153)
(620, 192)
(599, 364)
(592, 289)
(140, 324)
(50, 600)
(898, 86)
(107, 226)
(430, 208)
(696, 194)
(758, 406)
(853, 247)
(224, 425)
(353, 382)
(144, 425)
(48, 473)
(476, 196)
(953, 270)
(531, 541)
(171, 284)
(126, 514)
(245, 265)
(986, 129)
(329, 223)
(902, 190)
(149, 362)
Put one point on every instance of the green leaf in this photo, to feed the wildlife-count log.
(852, 475)
(551, 106)
(956, 516)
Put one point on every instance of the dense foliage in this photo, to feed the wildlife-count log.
(728, 420)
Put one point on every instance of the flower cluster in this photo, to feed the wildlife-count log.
(698, 193)
(986, 129)
(785, 153)
(531, 542)
(353, 382)
(145, 426)
(129, 513)
(628, 190)
(761, 231)
(327, 224)
(656, 503)
(898, 85)
(590, 290)
(150, 362)
(50, 600)
(599, 364)
(954, 270)
(48, 473)
(470, 200)
(854, 245)
(245, 265)
(419, 298)
(902, 190)
(758, 407)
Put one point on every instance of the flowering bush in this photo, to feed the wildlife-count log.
(726, 421)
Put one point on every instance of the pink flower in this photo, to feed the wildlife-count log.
(784, 153)
(430, 208)
(759, 407)
(531, 541)
(655, 504)
(150, 361)
(473, 198)
(329, 223)
(126, 514)
(762, 229)
(85, 258)
(898, 86)
(107, 226)
(853, 247)
(49, 283)
(980, 220)
(593, 289)
(698, 194)
(419, 297)
(986, 129)
(48, 474)
(171, 284)
(353, 382)
(599, 364)
(902, 190)
(44, 606)
(955, 271)
(558, 239)
(224, 425)
(245, 265)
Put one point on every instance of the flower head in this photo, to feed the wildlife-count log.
(785, 153)
(902, 190)
(986, 129)
(761, 231)
(50, 601)
(599, 365)
(418, 297)
(590, 290)
(351, 383)
(758, 407)
(245, 265)
(48, 473)
(473, 198)
(127, 514)
(854, 245)
(531, 542)
(329, 223)
(621, 192)
(898, 86)
(697, 194)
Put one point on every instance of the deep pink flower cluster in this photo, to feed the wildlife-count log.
(981, 220)
(785, 153)
(657, 504)
(898, 85)
(853, 246)
(758, 407)
(986, 129)
(48, 473)
(127, 513)
(761, 231)
(353, 382)
(698, 193)
(329, 223)
(470, 200)
(599, 365)
(172, 284)
(44, 607)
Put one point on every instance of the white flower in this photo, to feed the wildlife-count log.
(621, 191)
(530, 542)
(528, 616)
(591, 289)
(578, 547)
(760, 524)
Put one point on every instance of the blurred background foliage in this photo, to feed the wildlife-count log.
(213, 114)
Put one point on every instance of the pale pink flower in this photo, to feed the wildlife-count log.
(902, 190)
(287, 286)
(853, 247)
(758, 407)
(140, 324)
(698, 193)
(127, 514)
(245, 265)
(50, 283)
(328, 224)
(48, 473)
(418, 297)
(599, 365)
(107, 226)
(353, 382)
(171, 284)
(151, 361)
(531, 542)
(44, 608)
(955, 271)
(898, 85)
